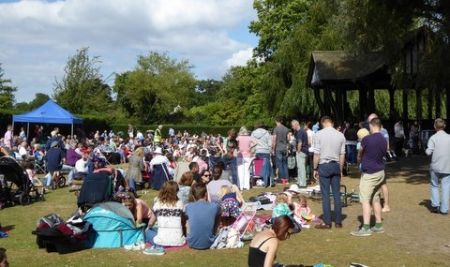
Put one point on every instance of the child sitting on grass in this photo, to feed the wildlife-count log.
(229, 204)
(29, 168)
(302, 212)
(282, 207)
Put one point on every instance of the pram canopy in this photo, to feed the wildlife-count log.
(112, 226)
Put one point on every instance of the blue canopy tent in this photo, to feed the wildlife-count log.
(51, 113)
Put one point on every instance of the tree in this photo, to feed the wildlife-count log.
(39, 100)
(276, 20)
(156, 86)
(7, 91)
(82, 89)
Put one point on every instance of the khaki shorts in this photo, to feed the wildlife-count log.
(369, 186)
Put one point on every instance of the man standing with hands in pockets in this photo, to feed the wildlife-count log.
(373, 149)
(329, 157)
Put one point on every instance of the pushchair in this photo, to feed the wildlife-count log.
(245, 224)
(15, 186)
(256, 167)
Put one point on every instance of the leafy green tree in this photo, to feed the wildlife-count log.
(39, 100)
(7, 91)
(82, 89)
(157, 85)
(276, 20)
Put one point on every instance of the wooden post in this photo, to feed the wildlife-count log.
(430, 103)
(319, 101)
(362, 102)
(419, 104)
(438, 101)
(344, 103)
(391, 102)
(405, 104)
(371, 101)
(447, 102)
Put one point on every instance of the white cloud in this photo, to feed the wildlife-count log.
(239, 58)
(38, 36)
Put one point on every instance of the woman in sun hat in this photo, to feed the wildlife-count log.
(159, 168)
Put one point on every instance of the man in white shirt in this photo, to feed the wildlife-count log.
(438, 148)
(8, 138)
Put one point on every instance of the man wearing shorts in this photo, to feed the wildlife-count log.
(373, 149)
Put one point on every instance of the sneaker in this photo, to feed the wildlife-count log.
(157, 251)
(361, 232)
(137, 246)
(378, 230)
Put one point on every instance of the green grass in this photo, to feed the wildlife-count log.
(413, 237)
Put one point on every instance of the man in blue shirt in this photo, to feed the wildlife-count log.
(202, 219)
(373, 150)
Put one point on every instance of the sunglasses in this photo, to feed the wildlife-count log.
(206, 175)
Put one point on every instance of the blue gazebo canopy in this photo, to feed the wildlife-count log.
(50, 112)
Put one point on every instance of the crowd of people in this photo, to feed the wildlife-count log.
(193, 204)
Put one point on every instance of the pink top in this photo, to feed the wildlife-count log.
(245, 143)
(146, 212)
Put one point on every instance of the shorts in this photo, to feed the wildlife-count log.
(369, 186)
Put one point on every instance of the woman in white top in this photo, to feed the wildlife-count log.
(168, 210)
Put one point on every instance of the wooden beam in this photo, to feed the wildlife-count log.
(362, 102)
(345, 108)
(371, 101)
(430, 103)
(438, 101)
(419, 104)
(447, 102)
(392, 103)
(319, 101)
(405, 104)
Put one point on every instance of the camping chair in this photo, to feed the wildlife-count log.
(244, 222)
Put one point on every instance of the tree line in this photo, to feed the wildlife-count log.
(163, 89)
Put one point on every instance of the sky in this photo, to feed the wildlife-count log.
(38, 36)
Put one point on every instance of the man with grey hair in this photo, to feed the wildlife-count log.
(438, 147)
(329, 159)
(301, 152)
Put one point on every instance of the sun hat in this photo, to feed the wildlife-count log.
(294, 188)
(158, 150)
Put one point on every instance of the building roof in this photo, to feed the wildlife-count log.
(340, 69)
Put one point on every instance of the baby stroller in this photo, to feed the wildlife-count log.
(15, 186)
(96, 188)
(245, 224)
(256, 167)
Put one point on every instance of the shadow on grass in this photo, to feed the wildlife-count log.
(427, 204)
(7, 228)
(344, 216)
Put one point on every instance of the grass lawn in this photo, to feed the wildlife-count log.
(414, 236)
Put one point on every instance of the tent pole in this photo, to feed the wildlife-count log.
(71, 131)
(28, 131)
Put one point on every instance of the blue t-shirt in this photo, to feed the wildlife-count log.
(201, 216)
(302, 137)
(375, 148)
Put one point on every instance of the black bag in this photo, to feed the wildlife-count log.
(54, 241)
(262, 199)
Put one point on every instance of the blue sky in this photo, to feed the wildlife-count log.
(37, 37)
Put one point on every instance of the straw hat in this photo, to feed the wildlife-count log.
(294, 188)
(158, 150)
